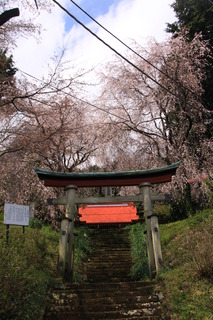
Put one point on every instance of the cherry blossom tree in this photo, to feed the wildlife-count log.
(57, 134)
(161, 105)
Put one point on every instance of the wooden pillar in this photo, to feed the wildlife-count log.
(66, 244)
(62, 259)
(156, 243)
(70, 214)
(145, 190)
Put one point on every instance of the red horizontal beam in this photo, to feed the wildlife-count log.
(105, 214)
(101, 183)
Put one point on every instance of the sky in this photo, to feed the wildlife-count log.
(129, 20)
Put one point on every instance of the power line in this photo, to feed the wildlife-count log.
(132, 50)
(123, 43)
(111, 48)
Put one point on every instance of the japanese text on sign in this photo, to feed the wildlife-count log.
(16, 214)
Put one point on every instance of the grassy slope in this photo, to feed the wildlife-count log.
(188, 256)
(28, 267)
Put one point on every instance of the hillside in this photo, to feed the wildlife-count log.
(187, 280)
(28, 267)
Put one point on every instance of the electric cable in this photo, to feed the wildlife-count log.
(128, 47)
(111, 48)
(135, 52)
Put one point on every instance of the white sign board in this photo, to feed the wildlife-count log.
(16, 214)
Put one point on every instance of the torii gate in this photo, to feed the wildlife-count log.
(71, 181)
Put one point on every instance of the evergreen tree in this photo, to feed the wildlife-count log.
(7, 72)
(7, 69)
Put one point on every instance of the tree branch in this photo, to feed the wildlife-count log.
(8, 14)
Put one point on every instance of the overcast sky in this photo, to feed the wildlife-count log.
(128, 19)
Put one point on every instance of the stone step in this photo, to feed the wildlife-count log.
(112, 255)
(146, 314)
(97, 305)
(137, 285)
(101, 279)
(107, 269)
(110, 261)
(111, 251)
(112, 247)
(107, 293)
(100, 271)
(115, 295)
(93, 297)
(104, 301)
(94, 300)
(106, 257)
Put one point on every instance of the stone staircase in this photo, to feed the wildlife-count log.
(111, 258)
(107, 291)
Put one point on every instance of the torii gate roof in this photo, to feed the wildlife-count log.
(100, 179)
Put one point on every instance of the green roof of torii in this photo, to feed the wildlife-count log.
(98, 179)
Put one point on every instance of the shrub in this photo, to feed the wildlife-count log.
(140, 268)
(35, 223)
(163, 212)
(82, 249)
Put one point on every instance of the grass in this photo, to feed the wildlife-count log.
(26, 269)
(83, 249)
(140, 268)
(187, 279)
(29, 266)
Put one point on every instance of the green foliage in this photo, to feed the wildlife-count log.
(195, 15)
(163, 212)
(29, 266)
(187, 250)
(25, 271)
(140, 268)
(83, 247)
(6, 66)
(35, 223)
(1, 217)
